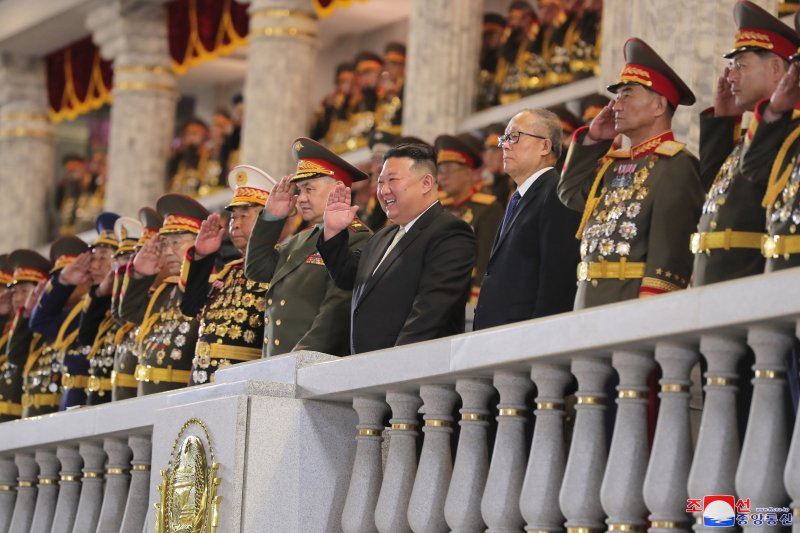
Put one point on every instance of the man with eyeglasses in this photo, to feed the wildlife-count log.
(639, 208)
(529, 270)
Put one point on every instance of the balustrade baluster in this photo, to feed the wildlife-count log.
(91, 500)
(138, 493)
(48, 491)
(69, 489)
(26, 493)
(117, 484)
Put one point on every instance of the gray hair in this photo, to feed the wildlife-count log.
(552, 125)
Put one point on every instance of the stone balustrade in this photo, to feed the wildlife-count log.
(544, 426)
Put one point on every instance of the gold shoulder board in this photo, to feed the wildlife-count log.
(483, 198)
(670, 148)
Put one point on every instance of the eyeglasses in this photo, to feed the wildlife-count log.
(513, 137)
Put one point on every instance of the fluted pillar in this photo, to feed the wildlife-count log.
(94, 459)
(8, 491)
(759, 475)
(26, 145)
(716, 454)
(281, 58)
(391, 511)
(621, 491)
(26, 493)
(500, 503)
(138, 493)
(462, 508)
(69, 488)
(359, 506)
(548, 456)
(791, 474)
(426, 505)
(580, 491)
(48, 491)
(442, 74)
(117, 484)
(143, 110)
(668, 470)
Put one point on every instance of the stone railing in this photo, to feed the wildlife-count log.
(303, 445)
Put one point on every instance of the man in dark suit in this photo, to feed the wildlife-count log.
(532, 263)
(411, 281)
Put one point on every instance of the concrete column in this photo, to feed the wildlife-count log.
(621, 491)
(136, 507)
(426, 505)
(48, 491)
(8, 491)
(442, 74)
(766, 439)
(69, 490)
(117, 484)
(143, 111)
(668, 471)
(791, 474)
(548, 456)
(26, 493)
(94, 460)
(462, 508)
(26, 151)
(580, 492)
(358, 515)
(391, 511)
(500, 503)
(716, 454)
(282, 54)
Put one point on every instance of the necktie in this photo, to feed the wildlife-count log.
(395, 240)
(512, 207)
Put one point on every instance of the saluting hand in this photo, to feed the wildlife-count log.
(33, 298)
(209, 240)
(724, 101)
(281, 201)
(148, 260)
(339, 214)
(602, 126)
(77, 272)
(105, 286)
(786, 94)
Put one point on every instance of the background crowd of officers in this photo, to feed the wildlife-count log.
(164, 300)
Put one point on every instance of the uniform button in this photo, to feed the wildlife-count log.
(278, 322)
(289, 257)
(269, 302)
(266, 321)
(277, 342)
(283, 302)
(266, 339)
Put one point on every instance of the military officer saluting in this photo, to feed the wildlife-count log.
(10, 406)
(229, 307)
(6, 310)
(167, 337)
(727, 244)
(304, 309)
(458, 162)
(639, 204)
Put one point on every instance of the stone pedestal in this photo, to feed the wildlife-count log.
(143, 112)
(26, 152)
(442, 74)
(282, 51)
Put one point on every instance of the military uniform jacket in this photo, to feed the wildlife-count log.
(779, 140)
(733, 200)
(484, 214)
(305, 310)
(647, 204)
(20, 379)
(11, 369)
(125, 354)
(167, 337)
(66, 356)
(230, 312)
(98, 330)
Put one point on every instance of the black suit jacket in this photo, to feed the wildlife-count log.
(531, 271)
(419, 291)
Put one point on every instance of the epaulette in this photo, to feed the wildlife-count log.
(225, 269)
(483, 198)
(357, 226)
(446, 201)
(619, 153)
(670, 148)
(795, 114)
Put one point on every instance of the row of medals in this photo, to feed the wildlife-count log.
(719, 189)
(163, 339)
(623, 200)
(785, 207)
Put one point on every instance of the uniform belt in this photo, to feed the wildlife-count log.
(120, 379)
(227, 351)
(96, 384)
(773, 246)
(74, 382)
(10, 408)
(725, 240)
(610, 270)
(169, 375)
(41, 400)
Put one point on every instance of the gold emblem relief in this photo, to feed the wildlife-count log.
(188, 501)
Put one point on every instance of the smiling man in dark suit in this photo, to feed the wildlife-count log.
(411, 281)
(530, 271)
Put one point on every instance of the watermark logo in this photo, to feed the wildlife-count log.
(723, 510)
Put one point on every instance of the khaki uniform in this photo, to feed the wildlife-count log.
(646, 204)
(10, 373)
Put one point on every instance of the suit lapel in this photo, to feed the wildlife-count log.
(297, 256)
(524, 202)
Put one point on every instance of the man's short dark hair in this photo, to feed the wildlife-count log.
(767, 54)
(423, 155)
